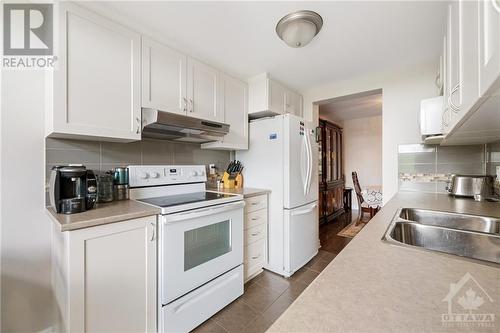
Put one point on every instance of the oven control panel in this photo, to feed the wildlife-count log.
(153, 175)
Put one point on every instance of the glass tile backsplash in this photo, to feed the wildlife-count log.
(102, 156)
(427, 168)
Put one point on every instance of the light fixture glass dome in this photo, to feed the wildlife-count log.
(299, 28)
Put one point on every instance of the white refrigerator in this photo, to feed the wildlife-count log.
(282, 157)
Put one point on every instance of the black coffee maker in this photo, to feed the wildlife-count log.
(73, 189)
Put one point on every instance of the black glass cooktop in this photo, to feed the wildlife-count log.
(183, 199)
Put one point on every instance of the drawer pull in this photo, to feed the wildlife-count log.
(256, 234)
(255, 203)
(256, 257)
(255, 218)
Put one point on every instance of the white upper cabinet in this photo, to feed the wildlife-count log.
(453, 58)
(293, 103)
(163, 78)
(268, 97)
(234, 106)
(203, 91)
(472, 90)
(468, 54)
(489, 45)
(97, 86)
(276, 97)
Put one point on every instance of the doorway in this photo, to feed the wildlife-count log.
(350, 141)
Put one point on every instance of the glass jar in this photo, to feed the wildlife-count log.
(105, 187)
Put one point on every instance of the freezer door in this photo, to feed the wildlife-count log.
(301, 236)
(300, 163)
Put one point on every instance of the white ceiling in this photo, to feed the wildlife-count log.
(355, 106)
(358, 38)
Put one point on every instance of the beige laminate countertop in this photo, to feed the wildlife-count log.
(104, 213)
(372, 286)
(246, 192)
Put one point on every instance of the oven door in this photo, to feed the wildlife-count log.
(197, 246)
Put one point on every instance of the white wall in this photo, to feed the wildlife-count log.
(362, 150)
(26, 298)
(401, 94)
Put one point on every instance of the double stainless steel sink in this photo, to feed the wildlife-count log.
(470, 236)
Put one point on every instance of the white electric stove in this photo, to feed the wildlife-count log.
(200, 243)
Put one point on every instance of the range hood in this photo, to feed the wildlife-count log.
(170, 126)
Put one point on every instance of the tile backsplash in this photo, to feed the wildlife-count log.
(426, 168)
(102, 156)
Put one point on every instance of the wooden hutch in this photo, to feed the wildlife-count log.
(331, 177)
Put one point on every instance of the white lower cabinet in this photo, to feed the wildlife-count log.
(255, 235)
(104, 277)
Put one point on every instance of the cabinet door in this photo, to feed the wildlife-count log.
(276, 97)
(234, 105)
(293, 103)
(163, 78)
(97, 86)
(113, 277)
(469, 54)
(445, 116)
(453, 53)
(489, 45)
(203, 91)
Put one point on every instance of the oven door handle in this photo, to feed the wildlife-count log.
(203, 212)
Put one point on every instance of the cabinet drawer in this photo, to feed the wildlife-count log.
(255, 218)
(254, 234)
(255, 252)
(255, 255)
(255, 203)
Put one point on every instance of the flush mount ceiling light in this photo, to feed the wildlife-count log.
(299, 28)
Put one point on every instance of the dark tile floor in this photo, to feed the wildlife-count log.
(268, 295)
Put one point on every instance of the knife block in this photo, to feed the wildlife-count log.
(232, 183)
(239, 181)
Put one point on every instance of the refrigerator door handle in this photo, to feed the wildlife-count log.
(304, 211)
(306, 180)
(309, 161)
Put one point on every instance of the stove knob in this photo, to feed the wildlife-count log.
(144, 175)
(194, 173)
(155, 175)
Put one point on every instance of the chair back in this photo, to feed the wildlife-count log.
(357, 188)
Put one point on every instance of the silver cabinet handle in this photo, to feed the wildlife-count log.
(138, 125)
(256, 257)
(452, 105)
(256, 234)
(255, 218)
(191, 109)
(255, 203)
(185, 104)
(153, 235)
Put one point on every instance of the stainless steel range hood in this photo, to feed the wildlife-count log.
(170, 126)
